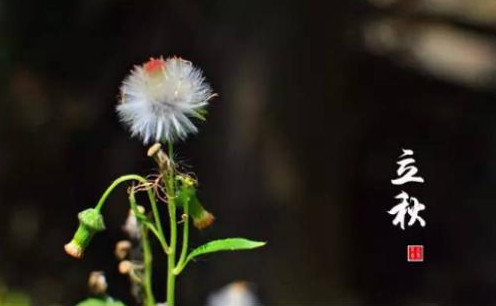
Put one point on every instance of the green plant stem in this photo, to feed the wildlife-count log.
(117, 182)
(184, 250)
(158, 231)
(171, 203)
(156, 216)
(147, 277)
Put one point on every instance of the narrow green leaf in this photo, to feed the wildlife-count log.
(229, 244)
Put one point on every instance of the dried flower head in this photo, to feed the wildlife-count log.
(159, 98)
(122, 249)
(125, 267)
(132, 227)
(97, 284)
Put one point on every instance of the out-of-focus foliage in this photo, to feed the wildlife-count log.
(12, 297)
(105, 301)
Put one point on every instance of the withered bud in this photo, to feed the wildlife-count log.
(125, 267)
(97, 284)
(122, 249)
(160, 157)
(132, 227)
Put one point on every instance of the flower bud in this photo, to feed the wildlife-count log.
(187, 195)
(90, 222)
(202, 219)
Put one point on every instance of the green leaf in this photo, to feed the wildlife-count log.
(229, 244)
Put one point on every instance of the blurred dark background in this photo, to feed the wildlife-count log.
(316, 100)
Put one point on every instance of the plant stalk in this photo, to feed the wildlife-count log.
(147, 259)
(171, 202)
(184, 250)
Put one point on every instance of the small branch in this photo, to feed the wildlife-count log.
(157, 231)
(117, 182)
(147, 279)
(184, 251)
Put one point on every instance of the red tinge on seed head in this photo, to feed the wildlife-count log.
(154, 65)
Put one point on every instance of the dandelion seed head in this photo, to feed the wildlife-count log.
(159, 98)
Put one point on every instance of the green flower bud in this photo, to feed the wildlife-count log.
(201, 217)
(90, 222)
(187, 195)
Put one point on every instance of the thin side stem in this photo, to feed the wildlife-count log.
(158, 222)
(162, 241)
(184, 249)
(158, 231)
(117, 182)
(160, 236)
(147, 258)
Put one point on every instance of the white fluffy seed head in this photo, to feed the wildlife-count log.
(159, 98)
